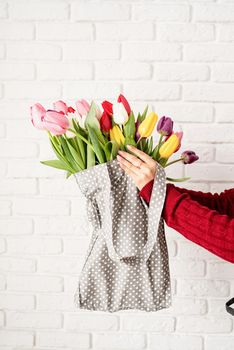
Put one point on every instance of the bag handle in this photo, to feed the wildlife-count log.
(154, 215)
(230, 309)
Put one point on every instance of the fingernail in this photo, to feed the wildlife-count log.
(129, 146)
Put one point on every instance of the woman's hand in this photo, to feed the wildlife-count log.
(141, 168)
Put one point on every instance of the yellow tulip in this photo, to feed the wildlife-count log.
(116, 135)
(169, 147)
(146, 128)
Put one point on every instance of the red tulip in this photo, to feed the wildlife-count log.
(105, 122)
(108, 107)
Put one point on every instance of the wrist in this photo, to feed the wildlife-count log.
(146, 190)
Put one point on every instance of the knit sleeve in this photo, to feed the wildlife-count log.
(201, 219)
(206, 227)
(222, 202)
(146, 191)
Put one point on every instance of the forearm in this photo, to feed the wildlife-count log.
(204, 226)
(223, 202)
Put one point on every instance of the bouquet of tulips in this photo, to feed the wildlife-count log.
(88, 134)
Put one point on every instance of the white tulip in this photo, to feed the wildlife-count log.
(78, 118)
(120, 114)
(99, 111)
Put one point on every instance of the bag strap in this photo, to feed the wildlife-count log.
(230, 309)
(154, 215)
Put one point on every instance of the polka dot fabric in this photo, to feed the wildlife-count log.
(126, 265)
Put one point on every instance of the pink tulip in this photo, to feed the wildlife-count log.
(60, 106)
(55, 122)
(37, 112)
(82, 107)
(180, 135)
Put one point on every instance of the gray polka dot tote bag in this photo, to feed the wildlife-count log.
(126, 265)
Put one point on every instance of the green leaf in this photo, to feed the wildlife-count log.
(129, 127)
(68, 174)
(155, 153)
(145, 112)
(82, 147)
(150, 145)
(68, 154)
(140, 143)
(91, 119)
(178, 180)
(75, 124)
(76, 155)
(163, 161)
(145, 145)
(130, 141)
(59, 154)
(84, 139)
(96, 145)
(90, 157)
(107, 150)
(55, 163)
(114, 150)
(142, 116)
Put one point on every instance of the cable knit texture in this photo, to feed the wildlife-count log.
(204, 218)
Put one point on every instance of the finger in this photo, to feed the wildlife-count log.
(131, 158)
(144, 167)
(129, 172)
(128, 164)
(142, 155)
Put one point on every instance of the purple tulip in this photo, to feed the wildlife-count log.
(137, 135)
(189, 157)
(165, 126)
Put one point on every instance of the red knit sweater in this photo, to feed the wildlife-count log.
(204, 218)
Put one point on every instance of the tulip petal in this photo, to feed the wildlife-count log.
(37, 112)
(82, 107)
(120, 114)
(105, 122)
(123, 100)
(60, 106)
(54, 128)
(107, 106)
(57, 118)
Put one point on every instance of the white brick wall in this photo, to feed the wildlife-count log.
(178, 56)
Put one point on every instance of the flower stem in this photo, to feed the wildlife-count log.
(174, 161)
(139, 140)
(159, 145)
(82, 138)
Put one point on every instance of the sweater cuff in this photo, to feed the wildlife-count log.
(146, 191)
